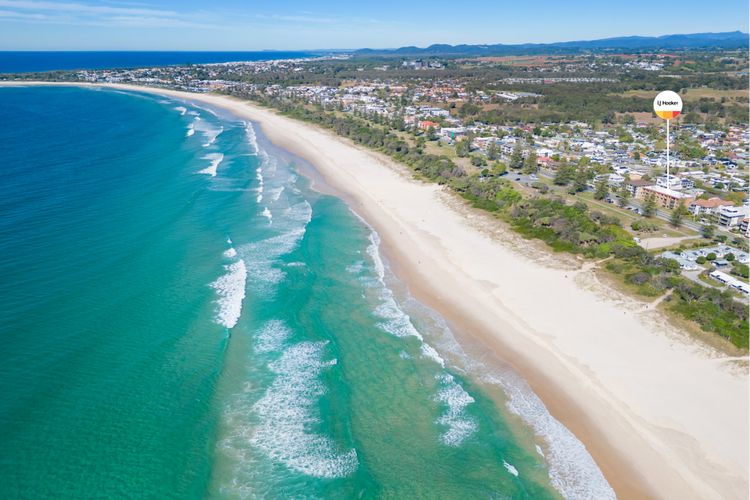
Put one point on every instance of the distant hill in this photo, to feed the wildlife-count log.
(728, 40)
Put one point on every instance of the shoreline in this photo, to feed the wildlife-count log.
(662, 417)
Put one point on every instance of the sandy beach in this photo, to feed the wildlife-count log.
(663, 415)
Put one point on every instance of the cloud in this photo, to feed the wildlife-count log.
(98, 15)
(83, 8)
(142, 16)
(304, 17)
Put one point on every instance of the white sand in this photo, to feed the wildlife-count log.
(662, 415)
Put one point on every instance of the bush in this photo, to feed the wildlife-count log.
(644, 226)
(740, 269)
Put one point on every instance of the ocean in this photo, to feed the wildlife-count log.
(38, 61)
(184, 317)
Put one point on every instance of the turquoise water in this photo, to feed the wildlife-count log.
(182, 317)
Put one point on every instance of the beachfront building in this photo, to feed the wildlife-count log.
(666, 198)
(710, 206)
(732, 216)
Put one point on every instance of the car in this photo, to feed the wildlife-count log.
(518, 178)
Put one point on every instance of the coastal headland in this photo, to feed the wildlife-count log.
(663, 415)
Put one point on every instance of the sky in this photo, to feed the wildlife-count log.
(329, 24)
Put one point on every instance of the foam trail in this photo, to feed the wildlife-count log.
(288, 409)
(263, 255)
(181, 109)
(230, 253)
(190, 130)
(572, 470)
(460, 425)
(230, 291)
(210, 132)
(510, 468)
(397, 322)
(271, 337)
(267, 214)
(251, 137)
(216, 159)
(276, 193)
(259, 177)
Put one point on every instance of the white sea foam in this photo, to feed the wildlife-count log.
(355, 268)
(209, 131)
(230, 291)
(251, 137)
(181, 109)
(460, 425)
(190, 130)
(275, 193)
(271, 337)
(263, 255)
(230, 253)
(259, 178)
(397, 322)
(429, 352)
(572, 470)
(267, 214)
(510, 468)
(287, 410)
(216, 159)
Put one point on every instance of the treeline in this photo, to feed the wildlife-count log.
(565, 227)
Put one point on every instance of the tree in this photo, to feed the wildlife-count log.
(431, 136)
(707, 231)
(463, 147)
(649, 206)
(711, 256)
(564, 174)
(499, 168)
(580, 180)
(478, 160)
(678, 214)
(492, 151)
(602, 189)
(516, 159)
(700, 260)
(623, 195)
(730, 257)
(530, 165)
